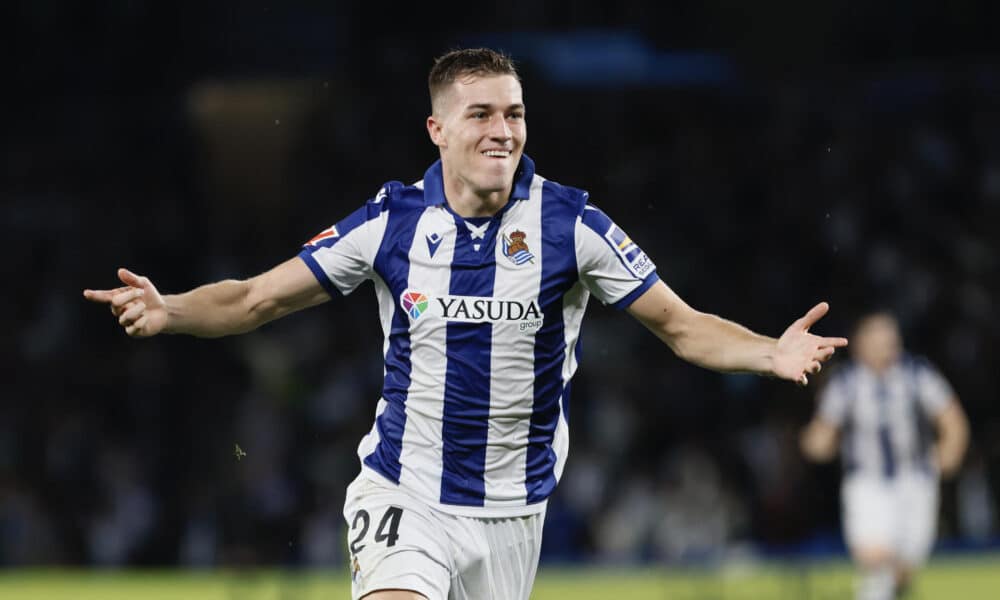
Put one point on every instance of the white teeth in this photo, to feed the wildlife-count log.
(497, 153)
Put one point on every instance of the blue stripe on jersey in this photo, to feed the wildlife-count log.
(559, 273)
(601, 224)
(369, 211)
(888, 460)
(319, 273)
(393, 266)
(640, 290)
(885, 441)
(465, 419)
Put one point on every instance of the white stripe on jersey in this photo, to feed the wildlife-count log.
(386, 308)
(511, 390)
(420, 455)
(574, 305)
(482, 412)
(604, 273)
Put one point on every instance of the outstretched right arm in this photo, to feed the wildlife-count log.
(214, 310)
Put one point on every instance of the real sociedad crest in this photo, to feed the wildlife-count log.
(515, 248)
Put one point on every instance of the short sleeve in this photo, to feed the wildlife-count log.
(342, 256)
(833, 401)
(933, 390)
(611, 265)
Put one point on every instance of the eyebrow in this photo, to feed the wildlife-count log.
(488, 106)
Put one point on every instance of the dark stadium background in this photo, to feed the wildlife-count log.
(766, 157)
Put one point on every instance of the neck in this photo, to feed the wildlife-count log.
(469, 202)
(880, 367)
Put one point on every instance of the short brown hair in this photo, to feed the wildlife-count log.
(467, 61)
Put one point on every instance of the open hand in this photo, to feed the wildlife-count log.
(138, 306)
(800, 353)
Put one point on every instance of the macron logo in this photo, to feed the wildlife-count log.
(433, 241)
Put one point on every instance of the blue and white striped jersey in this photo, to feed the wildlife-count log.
(886, 421)
(481, 319)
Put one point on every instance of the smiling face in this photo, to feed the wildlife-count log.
(478, 125)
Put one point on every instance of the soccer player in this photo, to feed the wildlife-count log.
(883, 407)
(482, 271)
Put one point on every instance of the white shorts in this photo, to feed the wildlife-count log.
(898, 514)
(397, 542)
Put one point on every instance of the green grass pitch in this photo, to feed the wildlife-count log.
(969, 579)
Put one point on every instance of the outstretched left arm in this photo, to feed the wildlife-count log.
(721, 345)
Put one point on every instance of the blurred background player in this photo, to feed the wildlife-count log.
(884, 408)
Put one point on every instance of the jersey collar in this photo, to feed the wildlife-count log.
(434, 182)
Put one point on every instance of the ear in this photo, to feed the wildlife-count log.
(434, 130)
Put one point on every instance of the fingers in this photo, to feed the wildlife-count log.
(98, 295)
(815, 314)
(835, 342)
(812, 349)
(130, 294)
(133, 312)
(102, 295)
(135, 286)
(814, 367)
(131, 279)
(125, 300)
(126, 303)
(136, 328)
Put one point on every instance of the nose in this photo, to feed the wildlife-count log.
(499, 130)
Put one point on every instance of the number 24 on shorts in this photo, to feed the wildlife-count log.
(390, 520)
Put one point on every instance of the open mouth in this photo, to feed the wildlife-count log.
(496, 153)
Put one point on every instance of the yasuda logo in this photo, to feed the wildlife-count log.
(414, 303)
(525, 313)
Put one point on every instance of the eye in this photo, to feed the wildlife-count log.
(516, 116)
(479, 114)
